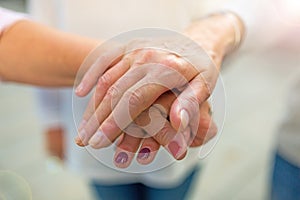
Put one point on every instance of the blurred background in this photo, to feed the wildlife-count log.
(238, 168)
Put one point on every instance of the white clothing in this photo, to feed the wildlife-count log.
(104, 19)
(8, 17)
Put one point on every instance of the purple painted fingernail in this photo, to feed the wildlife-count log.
(121, 158)
(144, 154)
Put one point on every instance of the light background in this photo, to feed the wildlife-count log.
(238, 168)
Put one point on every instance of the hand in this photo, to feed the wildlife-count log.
(122, 91)
(175, 143)
(164, 135)
(138, 80)
(135, 82)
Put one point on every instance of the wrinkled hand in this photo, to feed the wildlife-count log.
(141, 73)
(174, 142)
(136, 81)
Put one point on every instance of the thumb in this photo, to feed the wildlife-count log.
(185, 109)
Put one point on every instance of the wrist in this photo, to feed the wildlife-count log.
(219, 34)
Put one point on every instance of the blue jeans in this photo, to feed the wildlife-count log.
(285, 180)
(139, 191)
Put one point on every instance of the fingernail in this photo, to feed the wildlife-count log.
(80, 138)
(121, 158)
(78, 141)
(99, 140)
(174, 148)
(184, 118)
(144, 154)
(79, 88)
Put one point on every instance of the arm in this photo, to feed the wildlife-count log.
(35, 54)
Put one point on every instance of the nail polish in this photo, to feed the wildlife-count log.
(144, 154)
(121, 158)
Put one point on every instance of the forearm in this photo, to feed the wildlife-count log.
(216, 34)
(35, 54)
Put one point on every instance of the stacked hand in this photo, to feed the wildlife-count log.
(151, 93)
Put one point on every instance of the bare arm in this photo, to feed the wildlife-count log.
(35, 54)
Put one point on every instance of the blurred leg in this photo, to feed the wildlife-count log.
(285, 180)
(49, 104)
(119, 192)
(55, 141)
(177, 193)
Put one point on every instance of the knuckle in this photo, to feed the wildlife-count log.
(104, 81)
(135, 98)
(112, 92)
(163, 137)
(177, 63)
(171, 62)
(146, 56)
(203, 88)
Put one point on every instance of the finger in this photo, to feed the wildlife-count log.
(109, 101)
(186, 106)
(206, 132)
(207, 127)
(165, 136)
(109, 78)
(137, 98)
(126, 150)
(104, 83)
(97, 69)
(79, 139)
(178, 146)
(120, 118)
(148, 151)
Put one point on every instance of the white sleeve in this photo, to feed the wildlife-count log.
(8, 17)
